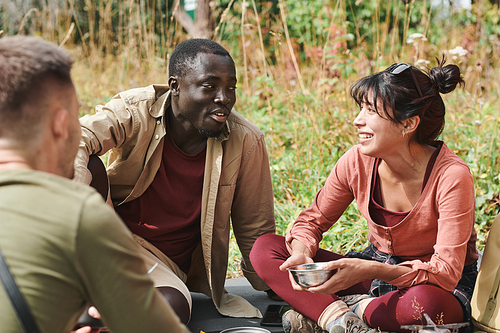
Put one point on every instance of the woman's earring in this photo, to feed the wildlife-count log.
(404, 133)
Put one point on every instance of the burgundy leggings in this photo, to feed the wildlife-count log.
(387, 312)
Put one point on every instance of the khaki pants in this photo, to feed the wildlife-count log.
(167, 273)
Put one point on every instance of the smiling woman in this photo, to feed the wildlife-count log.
(418, 199)
(402, 92)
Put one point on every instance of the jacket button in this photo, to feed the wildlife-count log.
(157, 136)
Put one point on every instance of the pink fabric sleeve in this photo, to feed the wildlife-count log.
(328, 205)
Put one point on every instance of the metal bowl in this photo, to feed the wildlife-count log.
(245, 330)
(310, 275)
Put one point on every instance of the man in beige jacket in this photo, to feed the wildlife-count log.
(183, 166)
(63, 245)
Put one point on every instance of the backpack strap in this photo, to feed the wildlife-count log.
(22, 310)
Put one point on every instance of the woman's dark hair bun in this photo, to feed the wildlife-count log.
(445, 78)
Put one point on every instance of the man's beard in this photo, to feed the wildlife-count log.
(208, 134)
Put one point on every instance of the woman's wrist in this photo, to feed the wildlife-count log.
(299, 248)
(388, 272)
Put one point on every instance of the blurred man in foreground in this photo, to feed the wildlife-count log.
(64, 246)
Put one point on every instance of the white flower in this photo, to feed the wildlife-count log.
(415, 37)
(457, 52)
(422, 63)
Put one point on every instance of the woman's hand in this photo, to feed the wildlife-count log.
(295, 259)
(350, 271)
(300, 255)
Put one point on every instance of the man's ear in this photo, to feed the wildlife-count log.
(60, 124)
(411, 124)
(173, 83)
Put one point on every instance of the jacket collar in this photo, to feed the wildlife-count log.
(162, 97)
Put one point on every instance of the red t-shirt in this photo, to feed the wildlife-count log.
(168, 213)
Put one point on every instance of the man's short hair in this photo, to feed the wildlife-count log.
(183, 55)
(27, 66)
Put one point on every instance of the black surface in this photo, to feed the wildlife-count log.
(205, 316)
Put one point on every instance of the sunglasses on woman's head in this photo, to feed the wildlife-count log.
(400, 67)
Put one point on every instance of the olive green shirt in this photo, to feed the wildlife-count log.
(66, 249)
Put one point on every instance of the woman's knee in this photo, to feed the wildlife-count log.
(440, 305)
(408, 307)
(268, 239)
(268, 251)
(267, 246)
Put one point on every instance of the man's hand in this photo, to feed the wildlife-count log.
(93, 313)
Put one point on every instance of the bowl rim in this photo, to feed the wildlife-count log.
(293, 268)
(242, 329)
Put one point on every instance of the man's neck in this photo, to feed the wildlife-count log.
(11, 157)
(185, 140)
(10, 163)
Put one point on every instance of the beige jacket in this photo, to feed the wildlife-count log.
(237, 183)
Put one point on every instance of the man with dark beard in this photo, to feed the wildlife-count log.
(183, 164)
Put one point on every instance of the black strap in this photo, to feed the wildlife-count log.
(17, 299)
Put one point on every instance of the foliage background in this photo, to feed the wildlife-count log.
(295, 60)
